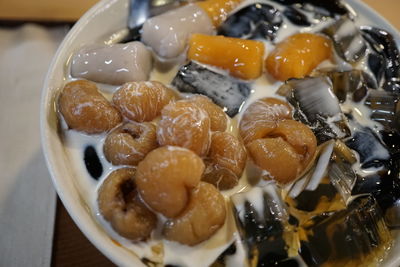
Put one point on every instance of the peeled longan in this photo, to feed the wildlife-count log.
(185, 124)
(298, 55)
(261, 117)
(299, 136)
(227, 151)
(130, 143)
(217, 116)
(85, 109)
(120, 204)
(142, 101)
(277, 157)
(225, 161)
(203, 216)
(166, 177)
(222, 178)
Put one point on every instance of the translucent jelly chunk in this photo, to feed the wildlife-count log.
(317, 106)
(347, 39)
(296, 16)
(351, 84)
(331, 8)
(368, 146)
(351, 237)
(315, 97)
(386, 62)
(384, 185)
(325, 198)
(223, 90)
(234, 255)
(242, 58)
(341, 173)
(262, 219)
(253, 21)
(327, 185)
(314, 193)
(392, 215)
(376, 66)
(385, 108)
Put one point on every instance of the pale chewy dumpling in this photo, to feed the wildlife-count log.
(168, 34)
(115, 64)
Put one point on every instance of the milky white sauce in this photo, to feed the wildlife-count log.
(205, 253)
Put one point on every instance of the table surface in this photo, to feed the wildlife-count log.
(71, 10)
(44, 10)
(70, 247)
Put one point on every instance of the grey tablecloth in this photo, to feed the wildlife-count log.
(27, 197)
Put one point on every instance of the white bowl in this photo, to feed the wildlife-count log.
(106, 17)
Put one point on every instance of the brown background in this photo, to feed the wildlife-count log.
(44, 10)
(70, 10)
(70, 247)
(388, 8)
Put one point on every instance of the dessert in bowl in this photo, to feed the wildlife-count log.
(255, 133)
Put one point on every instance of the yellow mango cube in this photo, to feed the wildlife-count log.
(242, 58)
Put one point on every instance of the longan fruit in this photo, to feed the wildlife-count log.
(261, 117)
(203, 216)
(120, 204)
(185, 124)
(166, 176)
(130, 143)
(142, 101)
(277, 157)
(85, 109)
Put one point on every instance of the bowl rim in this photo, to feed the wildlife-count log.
(73, 207)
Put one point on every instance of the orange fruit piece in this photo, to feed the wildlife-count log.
(242, 58)
(218, 10)
(297, 56)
